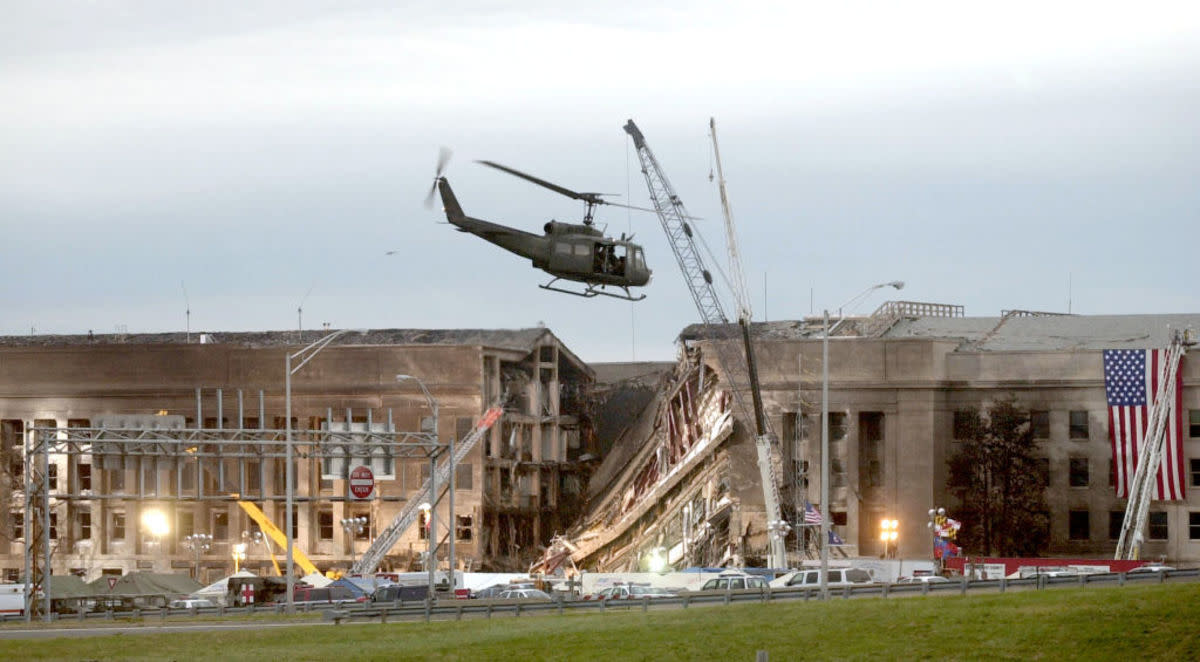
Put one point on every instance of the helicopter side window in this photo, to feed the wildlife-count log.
(582, 250)
(562, 248)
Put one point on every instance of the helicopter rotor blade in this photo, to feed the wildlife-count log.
(574, 195)
(444, 154)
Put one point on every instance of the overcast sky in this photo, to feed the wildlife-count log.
(265, 156)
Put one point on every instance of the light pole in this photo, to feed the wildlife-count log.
(239, 555)
(429, 565)
(433, 407)
(889, 535)
(303, 356)
(154, 522)
(824, 586)
(198, 543)
(353, 526)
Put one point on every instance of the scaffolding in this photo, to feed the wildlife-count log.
(161, 443)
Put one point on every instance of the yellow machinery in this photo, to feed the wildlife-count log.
(268, 528)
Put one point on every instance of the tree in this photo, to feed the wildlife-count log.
(1000, 489)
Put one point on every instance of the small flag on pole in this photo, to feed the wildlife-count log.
(811, 515)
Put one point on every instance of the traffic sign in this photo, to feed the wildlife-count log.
(362, 482)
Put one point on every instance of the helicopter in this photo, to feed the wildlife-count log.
(567, 251)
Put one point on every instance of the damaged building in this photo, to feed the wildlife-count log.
(681, 481)
(522, 482)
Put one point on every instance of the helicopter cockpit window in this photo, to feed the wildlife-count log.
(637, 259)
(609, 259)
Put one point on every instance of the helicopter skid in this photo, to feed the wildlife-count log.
(591, 291)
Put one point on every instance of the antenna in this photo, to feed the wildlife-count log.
(1068, 292)
(187, 312)
(300, 310)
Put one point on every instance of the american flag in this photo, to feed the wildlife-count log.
(1130, 384)
(811, 515)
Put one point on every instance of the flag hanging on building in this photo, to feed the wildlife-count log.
(1131, 383)
(811, 515)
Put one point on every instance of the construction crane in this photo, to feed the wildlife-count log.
(370, 559)
(1141, 490)
(740, 369)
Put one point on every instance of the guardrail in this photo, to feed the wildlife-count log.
(459, 609)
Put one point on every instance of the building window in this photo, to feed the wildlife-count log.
(1079, 525)
(1193, 526)
(18, 525)
(220, 526)
(1079, 472)
(1115, 519)
(1194, 423)
(1195, 467)
(838, 426)
(11, 575)
(464, 476)
(838, 517)
(1079, 425)
(187, 523)
(1158, 529)
(964, 424)
(54, 526)
(85, 525)
(1042, 465)
(85, 476)
(1039, 421)
(463, 530)
(791, 427)
(12, 445)
(118, 526)
(325, 525)
(52, 471)
(116, 481)
(423, 525)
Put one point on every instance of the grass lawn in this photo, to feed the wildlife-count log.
(1132, 623)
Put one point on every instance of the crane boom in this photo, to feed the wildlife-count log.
(736, 273)
(739, 367)
(268, 527)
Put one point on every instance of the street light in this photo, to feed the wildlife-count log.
(239, 555)
(428, 507)
(353, 527)
(303, 356)
(889, 535)
(824, 587)
(198, 543)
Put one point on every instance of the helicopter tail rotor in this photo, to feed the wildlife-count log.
(444, 155)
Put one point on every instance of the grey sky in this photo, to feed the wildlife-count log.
(255, 150)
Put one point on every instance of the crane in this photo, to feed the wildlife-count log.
(1141, 490)
(740, 369)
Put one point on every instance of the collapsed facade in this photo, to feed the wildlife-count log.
(521, 484)
(682, 484)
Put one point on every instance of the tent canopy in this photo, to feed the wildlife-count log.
(146, 583)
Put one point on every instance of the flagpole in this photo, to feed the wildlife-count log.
(825, 460)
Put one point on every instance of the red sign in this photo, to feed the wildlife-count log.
(362, 482)
(112, 581)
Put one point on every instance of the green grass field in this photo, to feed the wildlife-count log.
(1133, 623)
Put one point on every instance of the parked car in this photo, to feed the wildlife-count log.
(1150, 567)
(330, 595)
(630, 592)
(923, 579)
(400, 592)
(524, 594)
(192, 603)
(733, 582)
(495, 590)
(811, 578)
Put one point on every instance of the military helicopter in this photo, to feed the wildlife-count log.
(567, 251)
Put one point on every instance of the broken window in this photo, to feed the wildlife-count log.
(220, 526)
(463, 527)
(12, 445)
(118, 526)
(1079, 472)
(85, 476)
(1079, 524)
(838, 426)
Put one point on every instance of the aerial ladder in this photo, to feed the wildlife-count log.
(740, 369)
(1141, 490)
(370, 559)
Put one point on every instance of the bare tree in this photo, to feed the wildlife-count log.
(996, 478)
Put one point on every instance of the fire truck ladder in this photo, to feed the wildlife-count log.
(1141, 491)
(369, 561)
(739, 367)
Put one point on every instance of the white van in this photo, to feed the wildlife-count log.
(811, 578)
(12, 599)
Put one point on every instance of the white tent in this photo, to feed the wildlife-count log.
(218, 590)
(316, 579)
